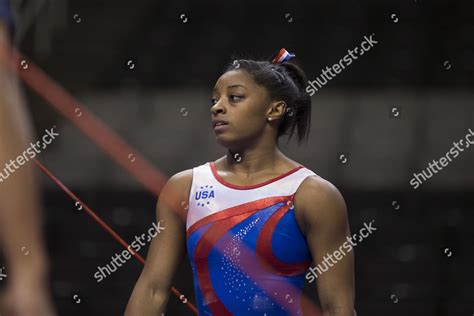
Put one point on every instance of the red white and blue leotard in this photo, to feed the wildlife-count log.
(247, 252)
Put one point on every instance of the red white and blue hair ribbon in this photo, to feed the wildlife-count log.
(282, 56)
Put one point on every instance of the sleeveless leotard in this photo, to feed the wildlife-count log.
(247, 252)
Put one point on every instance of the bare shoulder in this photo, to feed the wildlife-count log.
(175, 193)
(317, 189)
(319, 202)
(182, 179)
(179, 184)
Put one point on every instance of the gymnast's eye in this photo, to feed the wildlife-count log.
(235, 98)
(213, 101)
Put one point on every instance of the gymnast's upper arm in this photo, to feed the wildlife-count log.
(326, 226)
(167, 249)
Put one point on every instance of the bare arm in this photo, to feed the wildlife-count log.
(326, 227)
(166, 252)
(20, 217)
(19, 200)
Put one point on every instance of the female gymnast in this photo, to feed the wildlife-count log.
(254, 220)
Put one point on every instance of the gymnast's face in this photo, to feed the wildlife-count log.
(243, 104)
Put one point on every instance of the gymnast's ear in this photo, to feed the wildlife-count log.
(277, 110)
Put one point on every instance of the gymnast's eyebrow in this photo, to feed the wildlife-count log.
(236, 85)
(231, 86)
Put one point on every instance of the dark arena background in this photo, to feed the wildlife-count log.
(142, 71)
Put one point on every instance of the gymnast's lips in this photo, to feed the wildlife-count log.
(219, 125)
(215, 122)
